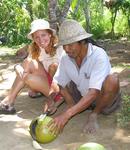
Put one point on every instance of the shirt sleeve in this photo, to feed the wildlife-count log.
(61, 76)
(101, 70)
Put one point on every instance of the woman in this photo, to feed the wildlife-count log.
(38, 68)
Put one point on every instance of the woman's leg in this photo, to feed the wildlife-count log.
(16, 87)
(7, 104)
(34, 77)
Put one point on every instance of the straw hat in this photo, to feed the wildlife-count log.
(39, 24)
(71, 31)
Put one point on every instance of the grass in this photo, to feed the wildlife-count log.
(123, 116)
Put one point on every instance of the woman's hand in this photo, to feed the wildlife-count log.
(20, 71)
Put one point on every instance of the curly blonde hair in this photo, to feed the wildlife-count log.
(35, 50)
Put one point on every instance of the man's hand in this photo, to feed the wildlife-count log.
(57, 124)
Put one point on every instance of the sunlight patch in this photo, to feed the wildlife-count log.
(6, 118)
(120, 135)
(21, 131)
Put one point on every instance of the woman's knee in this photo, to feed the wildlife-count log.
(33, 66)
(26, 64)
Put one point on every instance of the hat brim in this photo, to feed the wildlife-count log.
(29, 36)
(74, 39)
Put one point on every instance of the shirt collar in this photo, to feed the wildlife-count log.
(90, 49)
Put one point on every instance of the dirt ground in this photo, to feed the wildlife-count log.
(14, 133)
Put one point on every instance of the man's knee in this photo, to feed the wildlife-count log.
(113, 78)
(111, 82)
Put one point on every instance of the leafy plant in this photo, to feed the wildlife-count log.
(123, 116)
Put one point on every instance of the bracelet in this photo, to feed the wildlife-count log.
(25, 72)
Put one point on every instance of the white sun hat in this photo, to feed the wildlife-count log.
(39, 24)
(71, 31)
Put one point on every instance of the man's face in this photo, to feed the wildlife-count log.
(73, 50)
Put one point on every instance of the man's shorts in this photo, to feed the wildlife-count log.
(107, 110)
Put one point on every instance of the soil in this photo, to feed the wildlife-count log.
(14, 133)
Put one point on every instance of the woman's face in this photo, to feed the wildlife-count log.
(41, 38)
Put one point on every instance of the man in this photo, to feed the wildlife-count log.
(83, 77)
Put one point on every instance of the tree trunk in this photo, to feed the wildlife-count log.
(113, 18)
(65, 11)
(52, 13)
(56, 16)
(87, 15)
(77, 6)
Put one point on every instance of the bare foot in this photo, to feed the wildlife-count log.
(52, 106)
(92, 125)
(49, 106)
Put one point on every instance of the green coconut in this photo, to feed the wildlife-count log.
(91, 146)
(32, 128)
(40, 132)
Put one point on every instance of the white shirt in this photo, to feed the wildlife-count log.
(47, 60)
(93, 71)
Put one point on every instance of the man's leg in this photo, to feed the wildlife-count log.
(109, 91)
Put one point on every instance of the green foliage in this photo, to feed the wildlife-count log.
(97, 19)
(16, 16)
(98, 30)
(121, 25)
(15, 21)
(123, 117)
(39, 9)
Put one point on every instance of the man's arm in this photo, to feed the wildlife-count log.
(61, 120)
(84, 103)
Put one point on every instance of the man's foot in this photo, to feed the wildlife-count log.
(92, 125)
(7, 109)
